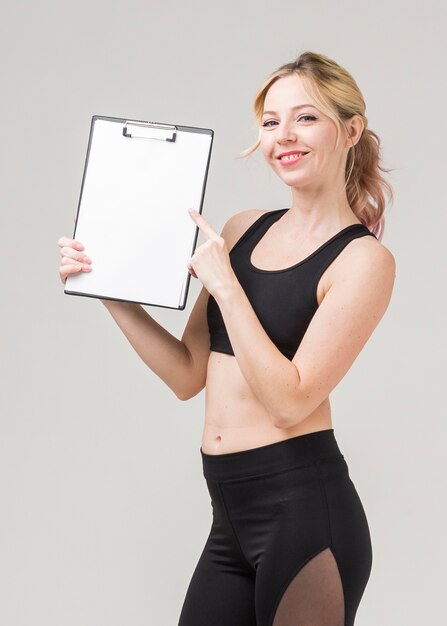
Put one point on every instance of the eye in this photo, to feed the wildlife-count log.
(309, 117)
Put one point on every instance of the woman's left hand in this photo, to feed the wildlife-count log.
(210, 262)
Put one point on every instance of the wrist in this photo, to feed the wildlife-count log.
(228, 292)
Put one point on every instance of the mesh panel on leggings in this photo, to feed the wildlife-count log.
(314, 597)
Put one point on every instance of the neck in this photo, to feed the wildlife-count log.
(319, 211)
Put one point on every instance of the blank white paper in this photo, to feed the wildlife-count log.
(133, 214)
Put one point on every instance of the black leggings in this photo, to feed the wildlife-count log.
(289, 544)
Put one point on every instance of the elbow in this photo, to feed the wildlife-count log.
(181, 396)
(286, 421)
(299, 412)
(187, 394)
(277, 423)
(290, 416)
(287, 418)
(292, 411)
(182, 392)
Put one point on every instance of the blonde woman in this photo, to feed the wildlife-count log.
(289, 299)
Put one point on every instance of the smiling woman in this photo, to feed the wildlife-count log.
(289, 298)
(329, 93)
(316, 136)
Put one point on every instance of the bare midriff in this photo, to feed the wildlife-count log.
(235, 419)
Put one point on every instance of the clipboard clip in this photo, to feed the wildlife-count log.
(150, 130)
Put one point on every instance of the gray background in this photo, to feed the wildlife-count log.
(103, 507)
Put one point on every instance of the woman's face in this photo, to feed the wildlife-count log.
(291, 123)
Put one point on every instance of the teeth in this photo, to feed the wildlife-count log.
(289, 157)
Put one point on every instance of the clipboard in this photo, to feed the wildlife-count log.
(139, 180)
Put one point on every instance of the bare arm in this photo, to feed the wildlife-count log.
(164, 354)
(349, 313)
(180, 364)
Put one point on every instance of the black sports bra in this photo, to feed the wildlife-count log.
(284, 300)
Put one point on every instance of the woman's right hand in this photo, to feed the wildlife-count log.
(73, 258)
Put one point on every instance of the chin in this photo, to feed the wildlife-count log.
(295, 179)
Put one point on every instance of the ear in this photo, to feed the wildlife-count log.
(354, 129)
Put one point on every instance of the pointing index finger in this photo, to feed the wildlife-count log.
(202, 223)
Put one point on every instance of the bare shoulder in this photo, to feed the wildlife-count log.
(369, 257)
(238, 223)
(369, 249)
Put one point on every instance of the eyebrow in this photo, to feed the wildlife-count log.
(299, 106)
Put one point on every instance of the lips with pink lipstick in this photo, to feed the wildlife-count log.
(291, 157)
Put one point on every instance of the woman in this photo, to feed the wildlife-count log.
(278, 323)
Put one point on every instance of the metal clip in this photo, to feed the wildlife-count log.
(150, 130)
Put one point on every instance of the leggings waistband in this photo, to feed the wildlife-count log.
(302, 450)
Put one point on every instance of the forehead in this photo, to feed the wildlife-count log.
(287, 92)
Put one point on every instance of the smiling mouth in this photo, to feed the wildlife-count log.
(292, 158)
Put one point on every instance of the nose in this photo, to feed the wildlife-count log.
(285, 133)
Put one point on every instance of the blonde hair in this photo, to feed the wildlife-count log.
(338, 96)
